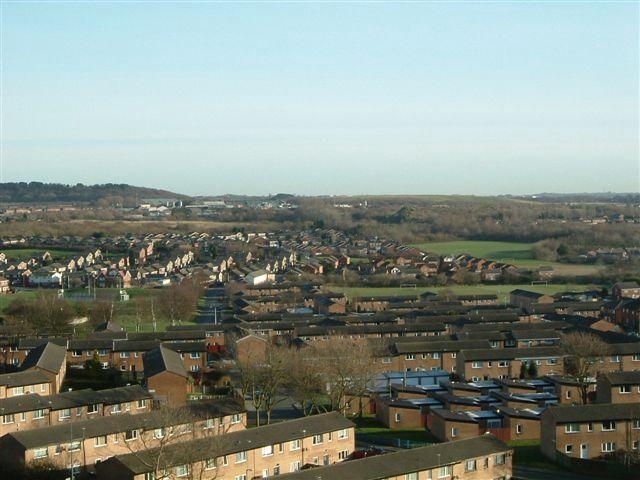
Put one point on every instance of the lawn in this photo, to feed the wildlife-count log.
(5, 300)
(515, 253)
(369, 427)
(27, 253)
(501, 290)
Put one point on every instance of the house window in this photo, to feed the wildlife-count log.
(635, 444)
(236, 418)
(40, 452)
(43, 387)
(225, 460)
(267, 451)
(38, 414)
(411, 476)
(476, 364)
(342, 434)
(445, 471)
(210, 464)
(18, 390)
(130, 435)
(276, 469)
(150, 476)
(470, 466)
(241, 477)
(265, 473)
(615, 358)
(92, 408)
(635, 424)
(294, 445)
(410, 356)
(117, 408)
(103, 352)
(317, 439)
(74, 446)
(142, 403)
(552, 361)
(209, 423)
(100, 441)
(454, 354)
(125, 354)
(195, 368)
(294, 467)
(503, 363)
(608, 447)
(386, 360)
(158, 433)
(182, 470)
(65, 413)
(590, 427)
(454, 432)
(572, 428)
(489, 364)
(568, 395)
(500, 459)
(608, 425)
(568, 449)
(636, 357)
(241, 457)
(436, 355)
(281, 448)
(397, 417)
(624, 389)
(519, 429)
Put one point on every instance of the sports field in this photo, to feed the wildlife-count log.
(501, 290)
(515, 253)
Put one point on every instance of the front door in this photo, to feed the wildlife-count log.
(584, 450)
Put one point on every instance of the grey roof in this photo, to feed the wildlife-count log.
(48, 356)
(26, 377)
(243, 440)
(445, 346)
(22, 403)
(623, 378)
(134, 345)
(96, 427)
(595, 412)
(162, 359)
(511, 353)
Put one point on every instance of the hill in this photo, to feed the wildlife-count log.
(108, 194)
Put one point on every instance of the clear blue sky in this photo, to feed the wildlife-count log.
(329, 98)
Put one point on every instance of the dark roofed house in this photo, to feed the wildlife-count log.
(618, 387)
(165, 376)
(24, 382)
(51, 359)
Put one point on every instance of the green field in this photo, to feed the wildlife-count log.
(27, 253)
(501, 290)
(515, 253)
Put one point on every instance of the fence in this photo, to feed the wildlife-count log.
(392, 441)
(606, 469)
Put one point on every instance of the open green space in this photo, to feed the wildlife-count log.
(515, 253)
(501, 290)
(369, 426)
(27, 253)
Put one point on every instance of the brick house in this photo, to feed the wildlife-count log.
(25, 382)
(50, 359)
(264, 451)
(483, 457)
(165, 376)
(618, 387)
(507, 362)
(590, 431)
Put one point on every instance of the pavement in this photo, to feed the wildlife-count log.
(527, 473)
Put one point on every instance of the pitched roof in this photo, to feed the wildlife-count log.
(623, 378)
(406, 461)
(162, 359)
(511, 353)
(595, 412)
(48, 356)
(239, 441)
(26, 377)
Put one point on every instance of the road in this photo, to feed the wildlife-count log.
(212, 308)
(526, 473)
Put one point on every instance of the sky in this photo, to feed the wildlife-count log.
(323, 98)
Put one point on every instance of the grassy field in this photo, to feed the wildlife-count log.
(124, 312)
(370, 426)
(515, 253)
(27, 253)
(501, 290)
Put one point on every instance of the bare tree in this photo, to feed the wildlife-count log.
(305, 382)
(584, 351)
(168, 434)
(264, 379)
(347, 369)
